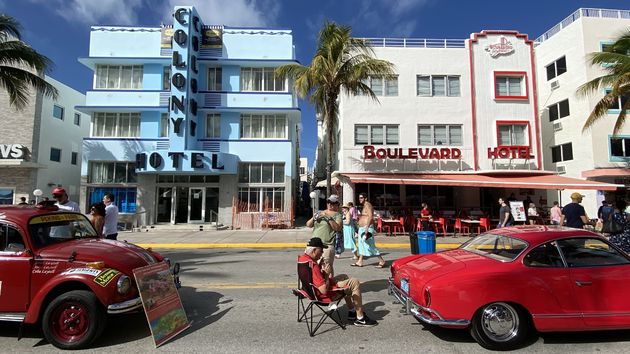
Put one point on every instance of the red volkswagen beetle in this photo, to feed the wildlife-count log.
(507, 282)
(55, 270)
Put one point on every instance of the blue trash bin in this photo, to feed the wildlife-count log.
(426, 242)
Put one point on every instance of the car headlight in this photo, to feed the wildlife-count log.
(123, 284)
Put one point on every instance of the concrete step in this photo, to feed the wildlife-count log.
(181, 227)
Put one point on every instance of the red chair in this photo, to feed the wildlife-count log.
(484, 223)
(399, 228)
(419, 224)
(440, 224)
(461, 227)
(379, 224)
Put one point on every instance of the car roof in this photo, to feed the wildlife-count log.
(535, 234)
(20, 214)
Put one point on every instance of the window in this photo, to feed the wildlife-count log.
(74, 158)
(620, 102)
(124, 198)
(261, 79)
(166, 79)
(119, 77)
(55, 154)
(112, 172)
(556, 68)
(214, 79)
(261, 172)
(378, 135)
(438, 85)
(10, 239)
(590, 252)
(213, 125)
(77, 119)
(262, 199)
(258, 126)
(562, 152)
(619, 147)
(302, 170)
(509, 85)
(559, 110)
(382, 86)
(6, 196)
(58, 112)
(116, 124)
(440, 135)
(164, 125)
(544, 256)
(512, 134)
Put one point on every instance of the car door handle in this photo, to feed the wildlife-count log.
(583, 283)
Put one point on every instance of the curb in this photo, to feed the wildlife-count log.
(299, 245)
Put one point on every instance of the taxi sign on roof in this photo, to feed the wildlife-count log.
(55, 218)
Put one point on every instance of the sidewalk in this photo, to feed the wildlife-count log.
(293, 238)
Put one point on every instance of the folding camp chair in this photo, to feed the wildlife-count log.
(305, 292)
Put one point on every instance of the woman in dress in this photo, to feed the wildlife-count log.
(622, 237)
(97, 217)
(349, 230)
(532, 213)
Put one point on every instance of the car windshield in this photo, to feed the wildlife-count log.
(55, 228)
(496, 246)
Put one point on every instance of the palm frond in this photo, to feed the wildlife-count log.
(600, 110)
(17, 53)
(9, 28)
(17, 83)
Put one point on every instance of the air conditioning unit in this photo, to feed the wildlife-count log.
(557, 126)
(561, 170)
(554, 85)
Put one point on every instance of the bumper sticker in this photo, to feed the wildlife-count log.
(87, 271)
(106, 277)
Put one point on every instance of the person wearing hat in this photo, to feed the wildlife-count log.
(324, 282)
(63, 203)
(326, 224)
(574, 213)
(349, 230)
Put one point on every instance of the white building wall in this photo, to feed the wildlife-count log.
(64, 135)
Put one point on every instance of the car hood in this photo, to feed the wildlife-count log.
(121, 256)
(422, 270)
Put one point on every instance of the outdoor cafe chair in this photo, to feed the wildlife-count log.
(440, 224)
(484, 223)
(399, 228)
(458, 226)
(307, 300)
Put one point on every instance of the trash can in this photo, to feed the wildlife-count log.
(426, 242)
(413, 242)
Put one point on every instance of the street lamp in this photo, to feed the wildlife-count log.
(314, 201)
(37, 193)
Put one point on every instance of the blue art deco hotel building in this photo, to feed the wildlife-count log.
(189, 120)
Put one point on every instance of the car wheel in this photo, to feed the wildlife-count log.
(73, 320)
(500, 326)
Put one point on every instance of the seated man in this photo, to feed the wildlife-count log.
(324, 283)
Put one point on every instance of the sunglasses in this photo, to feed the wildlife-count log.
(58, 196)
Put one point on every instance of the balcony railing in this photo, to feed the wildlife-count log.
(416, 42)
(582, 12)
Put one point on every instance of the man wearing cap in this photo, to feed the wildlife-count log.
(574, 213)
(63, 203)
(326, 224)
(324, 283)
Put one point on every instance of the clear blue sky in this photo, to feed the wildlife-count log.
(60, 29)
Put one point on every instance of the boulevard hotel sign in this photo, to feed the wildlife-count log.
(502, 152)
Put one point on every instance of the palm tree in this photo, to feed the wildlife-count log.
(615, 61)
(21, 66)
(340, 61)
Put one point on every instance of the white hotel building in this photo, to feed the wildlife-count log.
(467, 121)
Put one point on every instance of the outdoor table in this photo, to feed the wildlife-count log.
(390, 223)
(471, 223)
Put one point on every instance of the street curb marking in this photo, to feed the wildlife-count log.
(440, 246)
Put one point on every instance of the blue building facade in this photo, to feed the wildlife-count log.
(189, 120)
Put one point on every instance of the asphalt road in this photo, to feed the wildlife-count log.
(239, 301)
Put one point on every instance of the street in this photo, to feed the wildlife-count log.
(239, 301)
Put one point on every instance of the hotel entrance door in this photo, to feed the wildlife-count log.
(180, 205)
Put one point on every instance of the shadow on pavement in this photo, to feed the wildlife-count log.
(122, 329)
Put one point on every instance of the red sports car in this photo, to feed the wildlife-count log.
(507, 282)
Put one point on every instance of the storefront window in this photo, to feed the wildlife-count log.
(124, 198)
(6, 196)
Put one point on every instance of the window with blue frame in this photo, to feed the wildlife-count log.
(124, 198)
(620, 102)
(619, 148)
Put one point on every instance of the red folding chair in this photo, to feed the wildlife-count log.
(458, 226)
(484, 223)
(399, 228)
(440, 224)
(306, 292)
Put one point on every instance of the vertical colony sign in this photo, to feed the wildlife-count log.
(187, 29)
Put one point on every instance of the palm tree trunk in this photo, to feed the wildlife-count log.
(329, 154)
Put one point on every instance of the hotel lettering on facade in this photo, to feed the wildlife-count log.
(460, 125)
(188, 119)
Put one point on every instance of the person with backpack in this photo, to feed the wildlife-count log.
(620, 229)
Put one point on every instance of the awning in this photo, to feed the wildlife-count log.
(536, 181)
(322, 183)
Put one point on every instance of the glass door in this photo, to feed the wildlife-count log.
(164, 204)
(181, 205)
(196, 197)
(212, 204)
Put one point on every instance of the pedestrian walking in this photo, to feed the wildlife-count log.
(63, 202)
(620, 232)
(326, 224)
(349, 230)
(532, 213)
(366, 244)
(574, 213)
(555, 214)
(110, 229)
(505, 215)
